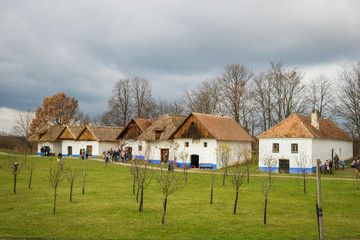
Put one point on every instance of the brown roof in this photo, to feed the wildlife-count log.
(167, 124)
(143, 124)
(299, 126)
(75, 130)
(50, 133)
(102, 133)
(222, 128)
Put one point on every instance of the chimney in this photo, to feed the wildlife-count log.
(315, 119)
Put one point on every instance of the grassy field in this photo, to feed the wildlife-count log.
(108, 209)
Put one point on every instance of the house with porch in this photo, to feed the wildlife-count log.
(158, 146)
(128, 138)
(303, 138)
(199, 136)
(97, 139)
(70, 147)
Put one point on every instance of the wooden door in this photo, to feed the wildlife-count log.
(69, 151)
(164, 155)
(89, 148)
(283, 166)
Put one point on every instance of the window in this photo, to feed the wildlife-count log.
(275, 148)
(186, 144)
(294, 148)
(140, 148)
(205, 144)
(157, 135)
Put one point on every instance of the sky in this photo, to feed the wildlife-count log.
(82, 47)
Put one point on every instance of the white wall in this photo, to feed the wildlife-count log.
(55, 147)
(237, 148)
(70, 143)
(155, 149)
(106, 146)
(323, 148)
(83, 144)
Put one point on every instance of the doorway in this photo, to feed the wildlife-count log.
(164, 155)
(89, 148)
(195, 161)
(69, 151)
(283, 165)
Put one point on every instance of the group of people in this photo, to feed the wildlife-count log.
(328, 165)
(117, 156)
(84, 153)
(356, 163)
(45, 151)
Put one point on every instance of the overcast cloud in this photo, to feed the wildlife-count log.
(83, 47)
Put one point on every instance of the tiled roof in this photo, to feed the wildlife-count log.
(299, 126)
(223, 128)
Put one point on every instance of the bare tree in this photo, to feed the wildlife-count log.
(55, 177)
(223, 155)
(143, 100)
(169, 182)
(71, 174)
(143, 179)
(246, 159)
(119, 104)
(302, 163)
(135, 169)
(31, 169)
(237, 181)
(270, 163)
(183, 155)
(84, 176)
(14, 166)
(321, 97)
(212, 187)
(233, 86)
(357, 173)
(21, 126)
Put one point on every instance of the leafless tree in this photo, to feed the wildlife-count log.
(322, 96)
(223, 155)
(55, 177)
(233, 86)
(183, 156)
(357, 173)
(31, 169)
(119, 104)
(14, 166)
(302, 162)
(21, 126)
(349, 99)
(237, 177)
(169, 181)
(270, 163)
(71, 174)
(246, 159)
(212, 187)
(134, 169)
(84, 176)
(143, 100)
(143, 178)
(169, 107)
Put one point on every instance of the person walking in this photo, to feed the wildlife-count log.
(86, 153)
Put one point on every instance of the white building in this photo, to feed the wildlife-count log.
(303, 138)
(97, 139)
(47, 138)
(70, 147)
(157, 138)
(200, 135)
(129, 135)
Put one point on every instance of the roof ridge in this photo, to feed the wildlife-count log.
(307, 130)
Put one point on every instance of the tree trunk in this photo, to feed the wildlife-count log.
(304, 184)
(141, 201)
(71, 189)
(134, 187)
(30, 179)
(54, 201)
(163, 218)
(236, 200)
(212, 189)
(357, 179)
(248, 175)
(224, 179)
(265, 211)
(15, 184)
(186, 176)
(137, 195)
(83, 190)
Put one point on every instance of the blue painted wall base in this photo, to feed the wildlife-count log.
(291, 170)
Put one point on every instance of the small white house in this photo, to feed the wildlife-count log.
(97, 139)
(157, 138)
(47, 138)
(303, 138)
(200, 135)
(70, 147)
(129, 135)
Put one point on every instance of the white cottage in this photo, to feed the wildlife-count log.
(129, 135)
(303, 137)
(47, 138)
(157, 138)
(200, 135)
(70, 147)
(97, 139)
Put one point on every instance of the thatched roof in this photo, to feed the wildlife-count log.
(102, 133)
(299, 126)
(166, 124)
(143, 124)
(50, 133)
(75, 130)
(220, 128)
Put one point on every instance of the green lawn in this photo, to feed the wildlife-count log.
(108, 209)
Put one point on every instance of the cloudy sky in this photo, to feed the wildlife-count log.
(83, 47)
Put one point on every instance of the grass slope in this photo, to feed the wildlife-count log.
(108, 209)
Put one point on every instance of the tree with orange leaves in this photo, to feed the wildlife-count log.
(58, 109)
